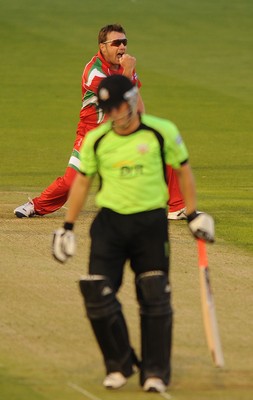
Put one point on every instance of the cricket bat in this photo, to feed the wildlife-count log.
(208, 308)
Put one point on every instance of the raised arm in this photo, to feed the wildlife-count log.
(128, 63)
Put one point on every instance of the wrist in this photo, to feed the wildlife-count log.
(192, 216)
(128, 73)
(68, 226)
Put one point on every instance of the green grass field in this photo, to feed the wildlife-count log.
(194, 59)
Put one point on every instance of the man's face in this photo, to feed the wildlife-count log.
(111, 52)
(121, 116)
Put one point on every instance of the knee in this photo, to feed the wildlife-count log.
(99, 296)
(153, 293)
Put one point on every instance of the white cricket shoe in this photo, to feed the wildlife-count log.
(178, 215)
(154, 385)
(114, 380)
(26, 210)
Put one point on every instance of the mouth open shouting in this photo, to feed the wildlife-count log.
(120, 54)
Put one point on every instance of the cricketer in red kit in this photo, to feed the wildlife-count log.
(110, 59)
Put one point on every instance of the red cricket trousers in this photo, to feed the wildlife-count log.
(56, 194)
(176, 201)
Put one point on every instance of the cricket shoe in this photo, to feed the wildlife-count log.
(26, 210)
(114, 380)
(177, 215)
(154, 385)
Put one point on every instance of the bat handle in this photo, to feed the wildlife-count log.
(203, 263)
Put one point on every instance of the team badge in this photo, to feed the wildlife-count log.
(142, 148)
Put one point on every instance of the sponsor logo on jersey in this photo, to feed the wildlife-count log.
(179, 139)
(131, 171)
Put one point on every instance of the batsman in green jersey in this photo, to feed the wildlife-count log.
(129, 153)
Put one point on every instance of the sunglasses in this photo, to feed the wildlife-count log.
(116, 42)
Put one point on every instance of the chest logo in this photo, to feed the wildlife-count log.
(143, 148)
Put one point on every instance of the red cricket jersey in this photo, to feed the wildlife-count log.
(96, 70)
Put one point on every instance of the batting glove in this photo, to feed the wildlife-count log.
(201, 226)
(64, 244)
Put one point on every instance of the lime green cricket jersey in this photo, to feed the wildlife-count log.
(132, 168)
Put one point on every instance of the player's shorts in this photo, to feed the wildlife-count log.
(141, 238)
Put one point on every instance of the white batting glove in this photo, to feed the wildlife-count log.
(201, 226)
(63, 245)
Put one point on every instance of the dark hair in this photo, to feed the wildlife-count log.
(102, 36)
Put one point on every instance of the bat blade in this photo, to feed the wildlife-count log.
(208, 308)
